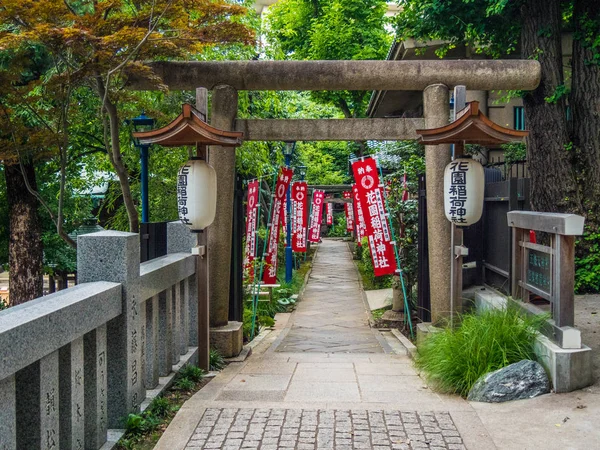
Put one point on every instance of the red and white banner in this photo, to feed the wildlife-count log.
(370, 193)
(300, 216)
(349, 210)
(283, 181)
(316, 215)
(251, 225)
(329, 213)
(359, 217)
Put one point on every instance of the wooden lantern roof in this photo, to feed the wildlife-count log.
(189, 129)
(471, 127)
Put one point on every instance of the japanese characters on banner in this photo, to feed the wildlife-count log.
(314, 232)
(359, 217)
(329, 213)
(251, 225)
(349, 210)
(300, 215)
(283, 181)
(370, 193)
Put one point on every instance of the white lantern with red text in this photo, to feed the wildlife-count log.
(464, 185)
(197, 194)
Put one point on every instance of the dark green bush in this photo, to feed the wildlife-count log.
(216, 360)
(453, 359)
(191, 372)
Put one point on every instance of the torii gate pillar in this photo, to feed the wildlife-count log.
(225, 336)
(436, 105)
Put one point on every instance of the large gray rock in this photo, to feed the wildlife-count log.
(525, 379)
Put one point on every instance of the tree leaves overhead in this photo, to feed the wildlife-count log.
(330, 30)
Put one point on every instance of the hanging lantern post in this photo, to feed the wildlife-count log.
(196, 196)
(464, 181)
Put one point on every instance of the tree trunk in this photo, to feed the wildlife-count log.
(25, 251)
(553, 186)
(585, 104)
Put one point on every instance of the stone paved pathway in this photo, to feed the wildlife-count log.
(331, 318)
(324, 380)
(271, 429)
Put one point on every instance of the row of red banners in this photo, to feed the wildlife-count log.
(366, 215)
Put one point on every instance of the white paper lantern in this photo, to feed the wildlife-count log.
(197, 194)
(464, 185)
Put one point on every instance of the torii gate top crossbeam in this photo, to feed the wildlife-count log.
(344, 75)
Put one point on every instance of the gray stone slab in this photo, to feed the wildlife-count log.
(152, 342)
(193, 310)
(165, 333)
(160, 273)
(176, 304)
(8, 413)
(34, 329)
(185, 316)
(115, 256)
(179, 238)
(71, 387)
(49, 401)
(95, 388)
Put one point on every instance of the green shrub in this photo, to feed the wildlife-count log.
(191, 372)
(587, 262)
(159, 407)
(453, 359)
(184, 384)
(216, 360)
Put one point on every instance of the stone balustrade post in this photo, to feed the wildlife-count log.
(115, 256)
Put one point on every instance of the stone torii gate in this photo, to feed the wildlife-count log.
(434, 78)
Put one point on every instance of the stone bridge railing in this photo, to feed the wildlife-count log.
(75, 363)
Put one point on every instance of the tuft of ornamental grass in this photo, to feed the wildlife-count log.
(452, 360)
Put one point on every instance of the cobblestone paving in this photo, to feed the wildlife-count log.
(270, 429)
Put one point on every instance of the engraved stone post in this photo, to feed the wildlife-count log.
(71, 380)
(95, 385)
(8, 413)
(37, 404)
(115, 256)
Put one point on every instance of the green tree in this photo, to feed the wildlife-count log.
(334, 30)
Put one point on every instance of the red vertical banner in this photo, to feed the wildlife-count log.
(370, 193)
(329, 213)
(300, 215)
(251, 225)
(277, 208)
(349, 210)
(316, 215)
(359, 217)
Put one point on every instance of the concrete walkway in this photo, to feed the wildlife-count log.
(324, 379)
(331, 318)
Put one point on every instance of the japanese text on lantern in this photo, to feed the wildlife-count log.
(458, 191)
(370, 194)
(182, 194)
(283, 181)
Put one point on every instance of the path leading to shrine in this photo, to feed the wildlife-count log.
(324, 379)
